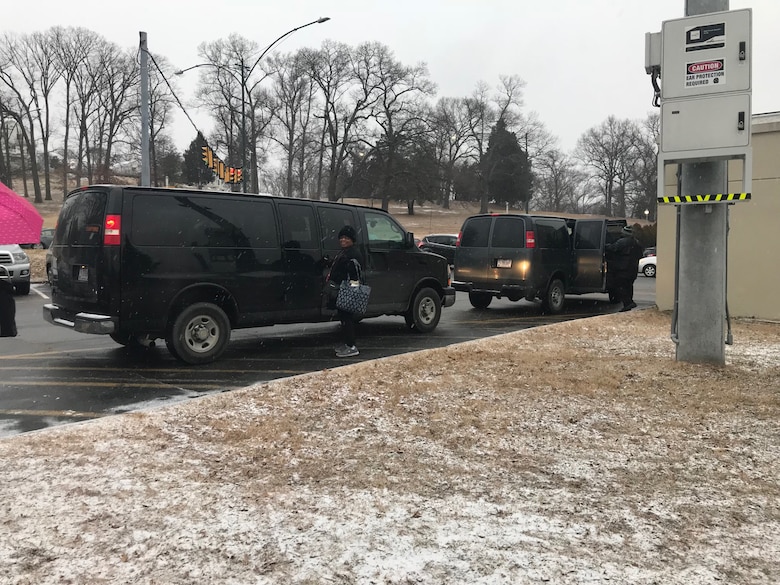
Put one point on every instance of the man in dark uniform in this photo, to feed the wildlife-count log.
(623, 263)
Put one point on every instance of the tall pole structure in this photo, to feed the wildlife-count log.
(243, 126)
(702, 244)
(145, 116)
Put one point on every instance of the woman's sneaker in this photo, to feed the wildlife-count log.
(347, 351)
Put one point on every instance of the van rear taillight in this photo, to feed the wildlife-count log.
(530, 240)
(111, 230)
(460, 237)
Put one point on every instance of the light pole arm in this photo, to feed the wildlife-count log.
(289, 32)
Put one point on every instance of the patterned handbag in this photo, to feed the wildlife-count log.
(353, 294)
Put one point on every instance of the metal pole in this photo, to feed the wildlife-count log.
(702, 244)
(243, 127)
(145, 174)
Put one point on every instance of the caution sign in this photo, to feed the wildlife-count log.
(711, 198)
(705, 73)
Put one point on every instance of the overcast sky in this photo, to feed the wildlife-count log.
(582, 60)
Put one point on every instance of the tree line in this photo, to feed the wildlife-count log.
(332, 122)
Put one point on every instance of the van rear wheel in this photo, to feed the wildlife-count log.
(554, 297)
(200, 334)
(425, 312)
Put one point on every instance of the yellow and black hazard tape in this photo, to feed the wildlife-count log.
(717, 198)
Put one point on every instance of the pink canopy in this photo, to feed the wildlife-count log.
(20, 222)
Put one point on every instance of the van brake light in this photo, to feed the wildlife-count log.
(111, 230)
(530, 240)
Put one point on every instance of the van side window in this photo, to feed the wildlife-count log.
(552, 234)
(202, 222)
(383, 232)
(509, 232)
(332, 219)
(298, 229)
(476, 232)
(587, 235)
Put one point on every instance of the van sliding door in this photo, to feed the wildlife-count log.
(302, 291)
(588, 250)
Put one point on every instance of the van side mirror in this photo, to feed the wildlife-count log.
(409, 240)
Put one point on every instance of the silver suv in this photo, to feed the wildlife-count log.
(17, 263)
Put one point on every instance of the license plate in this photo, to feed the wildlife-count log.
(504, 263)
(83, 274)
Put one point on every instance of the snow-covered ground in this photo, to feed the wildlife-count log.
(575, 453)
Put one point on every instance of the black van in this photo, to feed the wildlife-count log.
(531, 256)
(141, 263)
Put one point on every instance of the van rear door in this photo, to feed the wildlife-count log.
(508, 256)
(81, 262)
(471, 256)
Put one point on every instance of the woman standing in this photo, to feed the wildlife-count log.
(346, 266)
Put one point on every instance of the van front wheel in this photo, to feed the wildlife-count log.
(199, 334)
(554, 297)
(425, 312)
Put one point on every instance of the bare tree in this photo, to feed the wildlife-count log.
(72, 46)
(347, 88)
(293, 93)
(399, 111)
(559, 183)
(18, 73)
(607, 151)
(644, 171)
(449, 123)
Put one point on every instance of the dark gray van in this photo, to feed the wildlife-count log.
(531, 257)
(140, 263)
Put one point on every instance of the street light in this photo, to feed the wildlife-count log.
(246, 73)
(647, 214)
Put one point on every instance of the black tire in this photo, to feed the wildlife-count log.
(649, 270)
(200, 334)
(131, 341)
(23, 288)
(120, 338)
(554, 297)
(425, 312)
(480, 300)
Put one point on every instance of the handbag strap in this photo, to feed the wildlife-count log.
(327, 278)
(359, 271)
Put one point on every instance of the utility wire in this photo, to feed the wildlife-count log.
(173, 93)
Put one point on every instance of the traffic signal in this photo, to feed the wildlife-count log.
(208, 156)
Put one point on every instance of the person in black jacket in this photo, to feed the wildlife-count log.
(623, 263)
(344, 268)
(7, 305)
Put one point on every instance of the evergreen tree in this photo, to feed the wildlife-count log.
(194, 171)
(505, 167)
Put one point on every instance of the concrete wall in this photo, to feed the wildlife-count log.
(753, 267)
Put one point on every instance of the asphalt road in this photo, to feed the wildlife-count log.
(51, 376)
